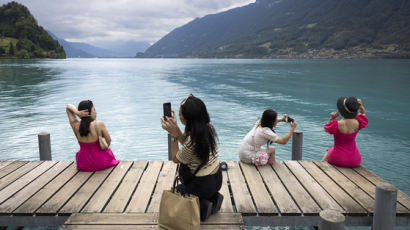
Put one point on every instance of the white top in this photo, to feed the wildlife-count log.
(261, 135)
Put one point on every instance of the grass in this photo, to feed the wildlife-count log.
(5, 43)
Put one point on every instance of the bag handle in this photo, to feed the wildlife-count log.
(174, 185)
(96, 129)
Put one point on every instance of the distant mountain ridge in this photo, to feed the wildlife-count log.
(295, 28)
(85, 50)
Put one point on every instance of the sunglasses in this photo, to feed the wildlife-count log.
(189, 96)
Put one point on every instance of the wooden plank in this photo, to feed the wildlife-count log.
(4, 164)
(143, 227)
(32, 204)
(77, 202)
(402, 197)
(353, 190)
(299, 194)
(13, 176)
(280, 195)
(341, 197)
(64, 194)
(17, 199)
(123, 194)
(103, 194)
(11, 167)
(240, 192)
(260, 195)
(320, 195)
(23, 181)
(366, 186)
(226, 203)
(143, 219)
(165, 180)
(142, 195)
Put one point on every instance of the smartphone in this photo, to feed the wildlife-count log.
(167, 110)
(289, 119)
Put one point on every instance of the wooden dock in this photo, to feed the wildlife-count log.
(290, 193)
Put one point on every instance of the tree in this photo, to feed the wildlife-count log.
(23, 54)
(2, 50)
(11, 49)
(18, 45)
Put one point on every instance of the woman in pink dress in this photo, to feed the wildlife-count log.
(90, 157)
(344, 153)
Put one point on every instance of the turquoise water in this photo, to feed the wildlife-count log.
(128, 96)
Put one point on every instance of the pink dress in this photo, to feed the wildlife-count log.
(92, 158)
(344, 152)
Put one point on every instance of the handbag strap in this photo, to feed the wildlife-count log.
(96, 129)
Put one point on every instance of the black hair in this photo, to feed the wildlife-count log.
(198, 128)
(268, 118)
(85, 121)
(348, 107)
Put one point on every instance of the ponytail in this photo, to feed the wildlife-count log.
(85, 121)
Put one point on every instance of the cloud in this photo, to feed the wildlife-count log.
(98, 21)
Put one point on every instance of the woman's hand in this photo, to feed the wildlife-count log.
(171, 125)
(283, 119)
(333, 115)
(83, 113)
(362, 109)
(293, 124)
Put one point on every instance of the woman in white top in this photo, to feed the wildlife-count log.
(262, 133)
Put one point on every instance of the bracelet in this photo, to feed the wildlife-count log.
(174, 139)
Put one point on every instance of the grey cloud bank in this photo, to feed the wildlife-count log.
(101, 21)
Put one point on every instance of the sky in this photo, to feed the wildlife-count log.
(100, 21)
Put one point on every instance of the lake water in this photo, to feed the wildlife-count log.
(128, 96)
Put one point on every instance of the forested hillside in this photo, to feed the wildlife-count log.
(295, 28)
(22, 37)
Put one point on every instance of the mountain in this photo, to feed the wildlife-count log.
(125, 48)
(85, 50)
(70, 49)
(295, 28)
(22, 37)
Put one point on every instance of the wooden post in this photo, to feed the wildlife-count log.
(384, 217)
(331, 220)
(169, 148)
(297, 139)
(44, 146)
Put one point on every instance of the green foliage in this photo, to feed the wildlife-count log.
(23, 54)
(17, 22)
(11, 49)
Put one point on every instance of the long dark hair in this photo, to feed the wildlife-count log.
(198, 128)
(85, 121)
(268, 118)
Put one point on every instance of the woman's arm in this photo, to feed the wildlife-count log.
(285, 139)
(72, 111)
(283, 119)
(104, 132)
(171, 126)
(333, 115)
(362, 109)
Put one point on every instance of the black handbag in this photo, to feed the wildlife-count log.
(185, 174)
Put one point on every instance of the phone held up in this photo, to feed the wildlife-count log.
(289, 119)
(167, 110)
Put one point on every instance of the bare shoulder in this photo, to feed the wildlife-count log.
(100, 124)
